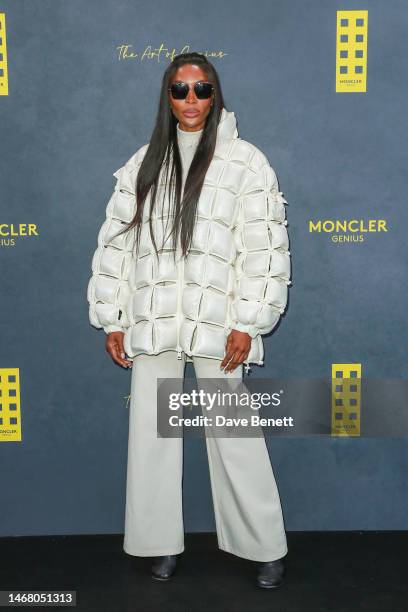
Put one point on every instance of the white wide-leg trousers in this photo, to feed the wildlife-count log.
(246, 501)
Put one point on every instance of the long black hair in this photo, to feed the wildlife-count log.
(162, 157)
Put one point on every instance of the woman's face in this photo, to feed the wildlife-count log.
(190, 112)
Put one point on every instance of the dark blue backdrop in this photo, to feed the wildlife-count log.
(74, 114)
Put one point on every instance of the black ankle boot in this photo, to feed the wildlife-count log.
(164, 567)
(270, 573)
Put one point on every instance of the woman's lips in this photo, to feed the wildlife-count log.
(191, 113)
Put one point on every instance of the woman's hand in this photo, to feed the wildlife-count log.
(114, 346)
(237, 350)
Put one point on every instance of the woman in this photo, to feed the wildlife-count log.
(205, 292)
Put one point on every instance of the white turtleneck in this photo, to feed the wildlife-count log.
(187, 142)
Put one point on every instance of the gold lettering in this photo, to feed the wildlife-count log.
(124, 52)
(328, 226)
(315, 227)
(20, 229)
(351, 225)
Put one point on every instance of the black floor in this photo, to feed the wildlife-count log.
(335, 571)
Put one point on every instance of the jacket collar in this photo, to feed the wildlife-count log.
(226, 133)
(227, 126)
(226, 130)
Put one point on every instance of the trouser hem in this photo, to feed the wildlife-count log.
(153, 552)
(263, 556)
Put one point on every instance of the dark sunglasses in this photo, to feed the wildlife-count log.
(202, 89)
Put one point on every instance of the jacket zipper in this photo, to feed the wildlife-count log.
(180, 279)
(180, 266)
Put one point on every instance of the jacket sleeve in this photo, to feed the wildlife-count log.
(262, 265)
(108, 287)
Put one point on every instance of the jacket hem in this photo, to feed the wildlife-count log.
(192, 354)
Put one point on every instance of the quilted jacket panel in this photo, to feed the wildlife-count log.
(235, 275)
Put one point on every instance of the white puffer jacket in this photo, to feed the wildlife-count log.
(235, 275)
